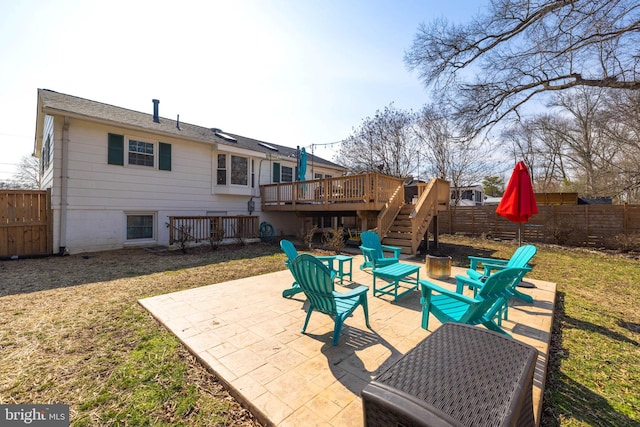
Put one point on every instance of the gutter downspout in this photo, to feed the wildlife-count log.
(64, 172)
(259, 196)
(260, 168)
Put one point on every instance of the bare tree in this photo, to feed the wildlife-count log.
(490, 67)
(539, 142)
(383, 143)
(435, 135)
(522, 142)
(590, 152)
(621, 122)
(458, 160)
(589, 144)
(552, 170)
(28, 173)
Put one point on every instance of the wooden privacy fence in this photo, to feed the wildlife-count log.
(25, 223)
(213, 229)
(580, 225)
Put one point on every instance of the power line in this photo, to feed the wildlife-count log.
(324, 144)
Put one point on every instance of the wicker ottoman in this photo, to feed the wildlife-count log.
(460, 375)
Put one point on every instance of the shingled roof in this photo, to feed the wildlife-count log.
(52, 101)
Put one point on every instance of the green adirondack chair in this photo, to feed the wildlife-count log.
(291, 252)
(316, 281)
(484, 308)
(519, 259)
(373, 251)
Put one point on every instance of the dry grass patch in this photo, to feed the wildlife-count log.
(72, 332)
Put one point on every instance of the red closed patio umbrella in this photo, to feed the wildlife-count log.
(518, 203)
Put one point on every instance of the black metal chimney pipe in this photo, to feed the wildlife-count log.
(156, 117)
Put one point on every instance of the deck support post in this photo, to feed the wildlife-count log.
(435, 230)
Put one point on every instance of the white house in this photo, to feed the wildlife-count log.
(117, 175)
(467, 196)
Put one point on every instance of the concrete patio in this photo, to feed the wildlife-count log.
(249, 336)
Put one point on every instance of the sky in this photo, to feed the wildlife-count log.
(291, 72)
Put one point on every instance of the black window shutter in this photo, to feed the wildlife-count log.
(276, 172)
(116, 149)
(164, 156)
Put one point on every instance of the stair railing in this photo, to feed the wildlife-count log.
(390, 211)
(434, 195)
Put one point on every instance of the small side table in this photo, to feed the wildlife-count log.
(397, 273)
(341, 271)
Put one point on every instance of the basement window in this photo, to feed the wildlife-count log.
(140, 227)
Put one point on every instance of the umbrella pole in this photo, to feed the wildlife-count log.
(519, 234)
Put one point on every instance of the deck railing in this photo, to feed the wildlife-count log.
(213, 229)
(365, 189)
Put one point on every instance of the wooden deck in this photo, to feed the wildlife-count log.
(369, 191)
(376, 199)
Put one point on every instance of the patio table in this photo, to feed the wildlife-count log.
(397, 273)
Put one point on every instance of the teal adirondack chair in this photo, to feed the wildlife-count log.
(291, 252)
(373, 251)
(484, 308)
(519, 259)
(316, 281)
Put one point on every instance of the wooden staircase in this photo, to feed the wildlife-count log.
(412, 221)
(399, 234)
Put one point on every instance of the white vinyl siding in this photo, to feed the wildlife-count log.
(100, 195)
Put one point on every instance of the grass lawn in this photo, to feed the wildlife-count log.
(594, 364)
(71, 331)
